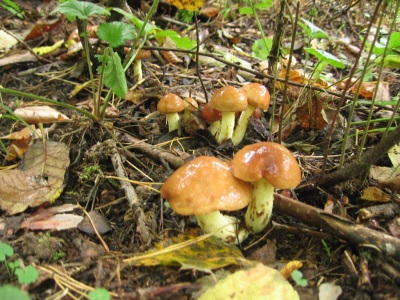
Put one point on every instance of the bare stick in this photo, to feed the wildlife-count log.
(130, 193)
(356, 234)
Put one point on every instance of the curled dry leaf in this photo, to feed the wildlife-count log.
(40, 114)
(39, 180)
(99, 221)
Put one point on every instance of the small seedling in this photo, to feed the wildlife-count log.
(25, 275)
(11, 292)
(297, 277)
(326, 247)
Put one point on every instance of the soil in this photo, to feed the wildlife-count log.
(363, 271)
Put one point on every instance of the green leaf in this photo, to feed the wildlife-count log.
(394, 42)
(324, 56)
(11, 292)
(312, 31)
(262, 48)
(12, 7)
(263, 4)
(297, 277)
(99, 294)
(116, 33)
(114, 76)
(28, 275)
(246, 10)
(5, 250)
(180, 42)
(390, 61)
(73, 9)
(149, 28)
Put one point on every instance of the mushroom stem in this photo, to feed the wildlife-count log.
(214, 128)
(224, 227)
(173, 122)
(227, 124)
(241, 126)
(137, 70)
(259, 211)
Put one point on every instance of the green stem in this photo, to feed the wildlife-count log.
(47, 100)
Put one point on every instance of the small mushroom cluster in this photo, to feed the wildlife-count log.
(220, 111)
(207, 185)
(229, 101)
(171, 105)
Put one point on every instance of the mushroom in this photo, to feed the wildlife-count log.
(190, 107)
(257, 97)
(170, 105)
(267, 165)
(137, 64)
(203, 187)
(211, 116)
(228, 100)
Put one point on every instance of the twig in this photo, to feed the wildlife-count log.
(155, 152)
(356, 234)
(130, 192)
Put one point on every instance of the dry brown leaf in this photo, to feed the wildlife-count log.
(310, 114)
(39, 180)
(99, 221)
(56, 222)
(40, 114)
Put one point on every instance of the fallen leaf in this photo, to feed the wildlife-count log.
(290, 267)
(99, 221)
(310, 114)
(201, 254)
(374, 194)
(257, 283)
(329, 291)
(40, 114)
(39, 180)
(190, 5)
(40, 28)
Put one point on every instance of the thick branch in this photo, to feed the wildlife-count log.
(354, 233)
(361, 165)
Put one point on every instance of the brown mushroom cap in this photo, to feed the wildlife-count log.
(210, 114)
(170, 103)
(204, 185)
(229, 98)
(191, 104)
(267, 160)
(257, 95)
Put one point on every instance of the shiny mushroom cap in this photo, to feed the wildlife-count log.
(267, 160)
(229, 98)
(170, 103)
(191, 104)
(257, 95)
(204, 185)
(210, 114)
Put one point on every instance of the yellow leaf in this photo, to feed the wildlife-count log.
(290, 267)
(48, 49)
(190, 5)
(374, 194)
(203, 253)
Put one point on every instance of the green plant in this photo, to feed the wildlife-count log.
(326, 247)
(112, 69)
(99, 294)
(12, 7)
(297, 277)
(26, 275)
(261, 47)
(11, 292)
